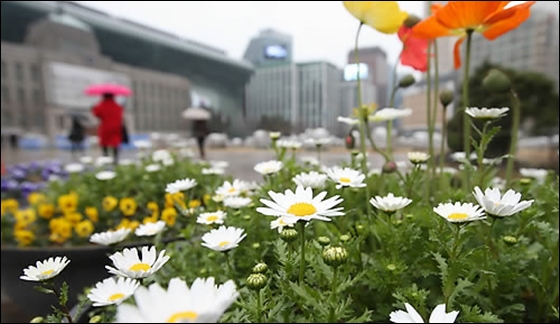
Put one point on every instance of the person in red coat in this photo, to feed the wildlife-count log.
(110, 129)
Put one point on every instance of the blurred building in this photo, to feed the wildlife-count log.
(305, 95)
(533, 46)
(52, 50)
(376, 60)
(269, 47)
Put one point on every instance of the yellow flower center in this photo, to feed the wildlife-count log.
(182, 317)
(140, 267)
(302, 209)
(457, 216)
(344, 180)
(232, 190)
(47, 272)
(212, 218)
(115, 297)
(281, 221)
(223, 243)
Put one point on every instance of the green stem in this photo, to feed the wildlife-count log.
(228, 265)
(515, 106)
(466, 104)
(63, 307)
(302, 254)
(427, 185)
(392, 105)
(442, 146)
(453, 255)
(259, 307)
(319, 154)
(432, 122)
(334, 285)
(373, 146)
(363, 118)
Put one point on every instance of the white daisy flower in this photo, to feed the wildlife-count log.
(160, 155)
(418, 157)
(390, 203)
(129, 265)
(126, 162)
(105, 175)
(152, 168)
(346, 177)
(216, 217)
(46, 269)
(110, 237)
(268, 167)
(219, 164)
(459, 213)
(86, 159)
(229, 189)
(150, 229)
(203, 302)
(142, 144)
(274, 135)
(486, 113)
(311, 179)
(301, 205)
(282, 222)
(103, 160)
(112, 291)
(386, 114)
(180, 185)
(223, 238)
(186, 152)
(311, 160)
(236, 202)
(539, 174)
(501, 206)
(461, 157)
(347, 120)
(74, 168)
(212, 171)
(411, 315)
(318, 142)
(289, 144)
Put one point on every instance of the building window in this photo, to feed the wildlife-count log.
(4, 70)
(19, 72)
(21, 96)
(35, 73)
(5, 94)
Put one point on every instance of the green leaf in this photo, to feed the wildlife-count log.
(462, 284)
(44, 290)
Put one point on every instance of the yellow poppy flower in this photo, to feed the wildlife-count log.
(24, 237)
(46, 211)
(194, 203)
(26, 216)
(383, 16)
(169, 215)
(128, 206)
(68, 203)
(9, 206)
(92, 213)
(73, 218)
(84, 228)
(36, 198)
(109, 203)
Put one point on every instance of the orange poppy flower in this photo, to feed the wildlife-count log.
(486, 17)
(415, 50)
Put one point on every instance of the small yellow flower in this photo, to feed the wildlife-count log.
(383, 16)
(92, 213)
(68, 203)
(128, 206)
(46, 211)
(24, 237)
(127, 223)
(9, 206)
(26, 216)
(109, 203)
(84, 228)
(36, 198)
(194, 203)
(154, 207)
(73, 218)
(206, 199)
(169, 215)
(61, 230)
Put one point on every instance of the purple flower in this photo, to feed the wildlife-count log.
(8, 184)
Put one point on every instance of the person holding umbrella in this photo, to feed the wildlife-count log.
(199, 117)
(110, 130)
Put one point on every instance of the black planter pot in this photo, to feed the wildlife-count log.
(86, 267)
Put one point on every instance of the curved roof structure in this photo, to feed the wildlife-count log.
(68, 20)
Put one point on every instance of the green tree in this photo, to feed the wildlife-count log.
(539, 102)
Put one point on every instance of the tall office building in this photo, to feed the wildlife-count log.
(376, 60)
(533, 46)
(269, 47)
(307, 95)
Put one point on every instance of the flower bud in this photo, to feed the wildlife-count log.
(446, 97)
(246, 217)
(202, 271)
(323, 240)
(509, 240)
(288, 235)
(525, 181)
(38, 319)
(335, 256)
(274, 135)
(389, 167)
(360, 229)
(391, 267)
(411, 20)
(345, 238)
(95, 319)
(496, 81)
(256, 245)
(406, 81)
(260, 267)
(256, 281)
(397, 222)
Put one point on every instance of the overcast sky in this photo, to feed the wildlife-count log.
(320, 30)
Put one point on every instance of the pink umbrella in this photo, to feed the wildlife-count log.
(103, 88)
